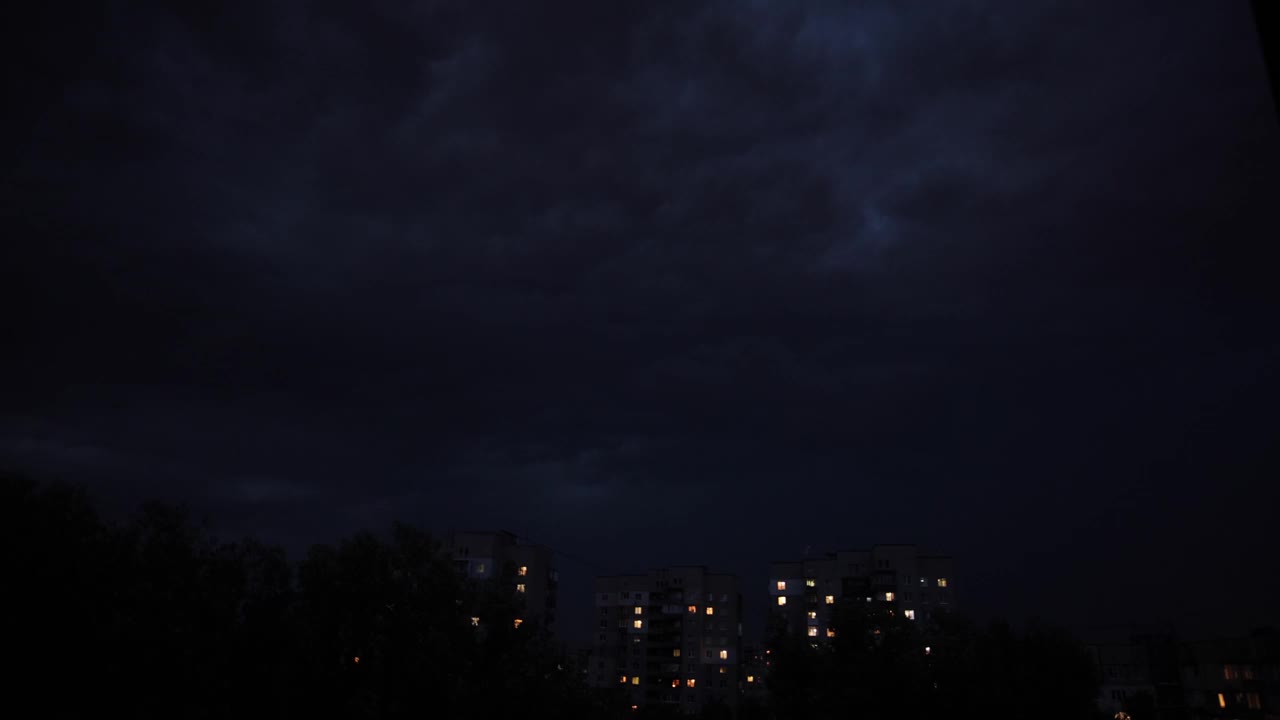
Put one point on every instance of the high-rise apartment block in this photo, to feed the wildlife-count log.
(802, 593)
(672, 636)
(499, 556)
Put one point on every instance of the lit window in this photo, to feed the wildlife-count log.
(782, 600)
(928, 650)
(942, 582)
(475, 621)
(924, 582)
(809, 582)
(751, 678)
(813, 614)
(910, 614)
(711, 610)
(1222, 700)
(831, 633)
(624, 679)
(690, 682)
(638, 610)
(523, 571)
(519, 622)
(635, 680)
(675, 653)
(479, 568)
(724, 670)
(637, 624)
(782, 585)
(724, 655)
(675, 683)
(635, 707)
(888, 597)
(831, 599)
(356, 659)
(693, 608)
(813, 632)
(519, 587)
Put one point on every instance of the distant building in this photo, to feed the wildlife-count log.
(1138, 672)
(1234, 677)
(499, 556)
(671, 637)
(802, 593)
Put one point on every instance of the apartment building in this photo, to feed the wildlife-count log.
(499, 556)
(802, 593)
(672, 636)
(1233, 677)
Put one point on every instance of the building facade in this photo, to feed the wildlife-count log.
(672, 636)
(1233, 677)
(802, 593)
(499, 556)
(1138, 672)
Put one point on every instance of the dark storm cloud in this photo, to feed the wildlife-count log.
(961, 274)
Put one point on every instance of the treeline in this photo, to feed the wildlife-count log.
(155, 618)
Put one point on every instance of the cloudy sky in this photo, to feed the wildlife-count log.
(667, 282)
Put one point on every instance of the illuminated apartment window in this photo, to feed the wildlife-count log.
(782, 600)
(928, 650)
(942, 582)
(519, 622)
(809, 582)
(693, 608)
(888, 597)
(624, 679)
(635, 680)
(479, 568)
(831, 599)
(675, 653)
(813, 632)
(519, 587)
(638, 610)
(724, 670)
(711, 610)
(675, 683)
(475, 621)
(638, 624)
(751, 678)
(1222, 700)
(690, 682)
(924, 582)
(831, 633)
(523, 571)
(782, 585)
(910, 614)
(813, 614)
(724, 655)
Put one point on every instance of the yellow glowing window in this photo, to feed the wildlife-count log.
(782, 601)
(724, 670)
(356, 659)
(624, 679)
(782, 584)
(635, 680)
(831, 633)
(942, 582)
(635, 707)
(813, 614)
(910, 614)
(675, 653)
(475, 621)
(888, 597)
(690, 683)
(520, 587)
(724, 655)
(831, 599)
(711, 610)
(693, 608)
(519, 622)
(1222, 700)
(813, 632)
(810, 582)
(638, 610)
(675, 683)
(751, 678)
(637, 624)
(523, 571)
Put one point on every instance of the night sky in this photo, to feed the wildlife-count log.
(667, 282)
